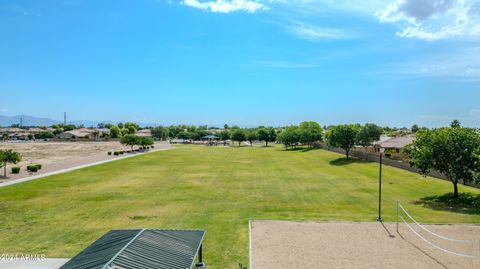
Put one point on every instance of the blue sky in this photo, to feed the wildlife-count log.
(246, 62)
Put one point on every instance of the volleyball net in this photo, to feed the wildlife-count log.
(433, 238)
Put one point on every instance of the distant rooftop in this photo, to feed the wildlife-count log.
(396, 142)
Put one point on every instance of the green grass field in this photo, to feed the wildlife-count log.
(216, 189)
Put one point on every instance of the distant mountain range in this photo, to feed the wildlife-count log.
(7, 121)
(26, 121)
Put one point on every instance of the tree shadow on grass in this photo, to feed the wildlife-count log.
(301, 149)
(466, 203)
(344, 161)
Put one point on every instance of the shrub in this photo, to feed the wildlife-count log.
(152, 147)
(39, 166)
(109, 153)
(116, 153)
(15, 170)
(32, 168)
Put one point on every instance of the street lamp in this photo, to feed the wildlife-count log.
(382, 150)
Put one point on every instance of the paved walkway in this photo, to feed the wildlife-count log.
(16, 181)
(32, 264)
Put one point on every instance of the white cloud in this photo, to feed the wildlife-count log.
(226, 6)
(316, 33)
(433, 19)
(318, 7)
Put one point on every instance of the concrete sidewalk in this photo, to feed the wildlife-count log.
(25, 179)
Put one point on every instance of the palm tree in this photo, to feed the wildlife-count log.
(9, 156)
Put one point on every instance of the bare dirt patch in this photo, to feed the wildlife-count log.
(61, 155)
(302, 245)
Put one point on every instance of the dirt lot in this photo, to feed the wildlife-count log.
(60, 155)
(302, 245)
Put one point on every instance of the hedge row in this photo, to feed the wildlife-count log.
(127, 151)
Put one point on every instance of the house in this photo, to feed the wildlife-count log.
(395, 144)
(18, 136)
(75, 134)
(144, 133)
(12, 130)
(35, 131)
(103, 131)
(85, 130)
(15, 133)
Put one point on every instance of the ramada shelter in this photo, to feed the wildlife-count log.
(142, 249)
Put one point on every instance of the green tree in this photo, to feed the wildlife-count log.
(185, 135)
(131, 130)
(131, 126)
(343, 136)
(57, 131)
(115, 132)
(69, 127)
(454, 152)
(174, 131)
(144, 141)
(199, 133)
(45, 135)
(160, 132)
(129, 140)
(273, 135)
(239, 136)
(368, 134)
(267, 135)
(263, 135)
(124, 132)
(414, 128)
(58, 126)
(309, 132)
(8, 156)
(289, 137)
(455, 124)
(251, 135)
(191, 128)
(224, 135)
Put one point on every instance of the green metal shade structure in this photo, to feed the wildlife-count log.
(210, 137)
(141, 249)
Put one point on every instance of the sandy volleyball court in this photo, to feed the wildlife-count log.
(307, 245)
(56, 156)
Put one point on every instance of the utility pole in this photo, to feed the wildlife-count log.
(21, 121)
(64, 118)
(380, 187)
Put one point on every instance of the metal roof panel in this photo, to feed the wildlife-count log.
(141, 249)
